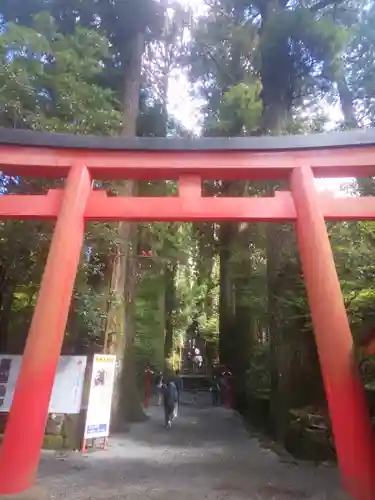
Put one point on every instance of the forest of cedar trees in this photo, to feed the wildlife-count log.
(249, 67)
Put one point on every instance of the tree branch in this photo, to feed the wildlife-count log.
(209, 54)
(324, 3)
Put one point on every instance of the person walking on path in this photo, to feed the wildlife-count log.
(215, 391)
(169, 391)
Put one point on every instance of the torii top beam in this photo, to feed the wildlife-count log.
(43, 154)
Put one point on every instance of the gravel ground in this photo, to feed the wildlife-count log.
(207, 455)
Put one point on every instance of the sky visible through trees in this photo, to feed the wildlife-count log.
(186, 108)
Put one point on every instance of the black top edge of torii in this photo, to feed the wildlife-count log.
(353, 138)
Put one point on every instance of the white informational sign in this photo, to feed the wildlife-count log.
(100, 397)
(67, 389)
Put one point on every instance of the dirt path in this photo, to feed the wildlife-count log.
(208, 455)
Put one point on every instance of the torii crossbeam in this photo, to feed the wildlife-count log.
(293, 159)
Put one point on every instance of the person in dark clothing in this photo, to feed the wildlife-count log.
(215, 391)
(170, 395)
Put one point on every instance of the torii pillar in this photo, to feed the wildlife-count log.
(20, 450)
(345, 394)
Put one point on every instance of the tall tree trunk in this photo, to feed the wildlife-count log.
(347, 103)
(226, 298)
(120, 316)
(277, 98)
(7, 297)
(242, 335)
(295, 371)
(228, 231)
(228, 236)
(204, 232)
(130, 409)
(170, 304)
(280, 376)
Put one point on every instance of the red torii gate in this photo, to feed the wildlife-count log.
(82, 159)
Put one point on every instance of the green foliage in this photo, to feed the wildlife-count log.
(149, 342)
(242, 104)
(258, 378)
(353, 245)
(47, 82)
(359, 65)
(47, 79)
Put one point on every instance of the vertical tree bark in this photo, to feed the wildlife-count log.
(7, 297)
(205, 235)
(279, 342)
(277, 97)
(347, 102)
(229, 231)
(242, 335)
(226, 299)
(170, 304)
(120, 316)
